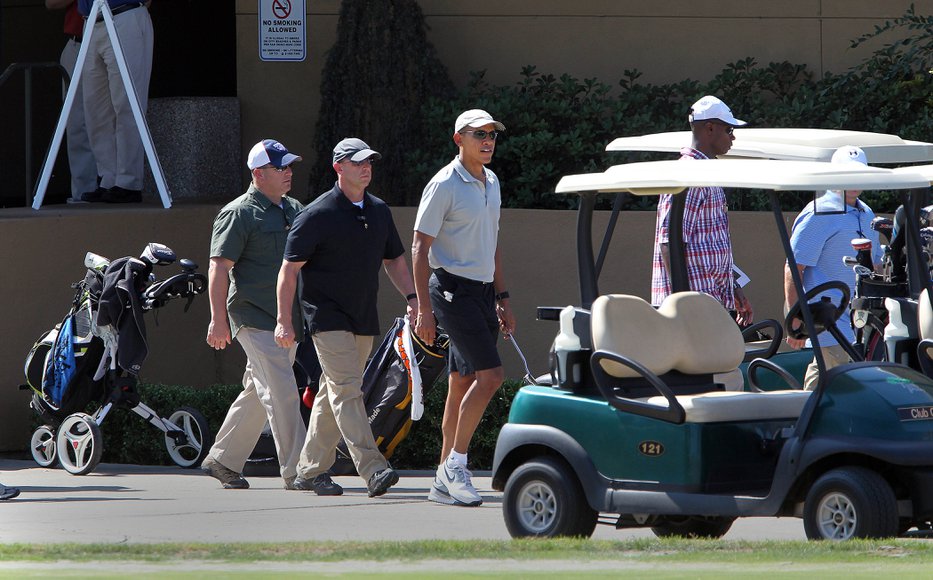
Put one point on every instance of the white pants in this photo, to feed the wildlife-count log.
(269, 394)
(80, 157)
(111, 127)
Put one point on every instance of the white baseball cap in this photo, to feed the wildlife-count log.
(710, 108)
(849, 154)
(476, 118)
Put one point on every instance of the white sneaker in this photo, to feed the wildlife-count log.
(453, 486)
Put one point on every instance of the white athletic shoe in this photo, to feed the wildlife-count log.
(453, 486)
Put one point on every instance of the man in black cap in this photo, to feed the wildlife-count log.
(338, 244)
(246, 249)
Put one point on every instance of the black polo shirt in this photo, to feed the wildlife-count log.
(344, 247)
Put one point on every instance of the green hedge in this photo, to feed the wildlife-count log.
(129, 439)
(559, 125)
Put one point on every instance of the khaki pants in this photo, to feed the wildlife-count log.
(833, 356)
(269, 394)
(338, 408)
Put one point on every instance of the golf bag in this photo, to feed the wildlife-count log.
(398, 376)
(93, 357)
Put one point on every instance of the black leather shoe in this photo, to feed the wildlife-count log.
(94, 196)
(121, 195)
(321, 485)
(381, 481)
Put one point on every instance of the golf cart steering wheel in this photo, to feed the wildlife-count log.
(824, 312)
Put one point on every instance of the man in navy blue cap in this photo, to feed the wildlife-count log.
(246, 251)
(338, 245)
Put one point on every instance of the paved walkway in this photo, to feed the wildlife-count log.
(141, 504)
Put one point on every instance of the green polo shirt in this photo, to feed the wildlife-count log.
(250, 231)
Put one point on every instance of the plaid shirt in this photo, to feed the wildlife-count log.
(706, 238)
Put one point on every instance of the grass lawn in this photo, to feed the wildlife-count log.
(643, 558)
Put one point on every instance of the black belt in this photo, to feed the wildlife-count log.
(120, 10)
(444, 272)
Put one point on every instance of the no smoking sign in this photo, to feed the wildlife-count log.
(282, 35)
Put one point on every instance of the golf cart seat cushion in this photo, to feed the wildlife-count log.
(725, 406)
(690, 332)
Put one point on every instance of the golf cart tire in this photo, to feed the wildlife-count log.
(543, 498)
(693, 527)
(850, 502)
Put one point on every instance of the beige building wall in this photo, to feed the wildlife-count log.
(666, 41)
(43, 253)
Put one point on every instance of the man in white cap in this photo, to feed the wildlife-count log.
(707, 242)
(247, 245)
(820, 241)
(459, 280)
(338, 245)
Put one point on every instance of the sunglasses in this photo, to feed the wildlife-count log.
(728, 128)
(277, 169)
(481, 134)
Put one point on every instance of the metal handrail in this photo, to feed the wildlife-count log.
(27, 68)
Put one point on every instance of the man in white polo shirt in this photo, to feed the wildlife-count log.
(458, 280)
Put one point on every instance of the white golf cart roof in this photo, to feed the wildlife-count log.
(659, 177)
(791, 144)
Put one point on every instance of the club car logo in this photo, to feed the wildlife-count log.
(924, 413)
(651, 448)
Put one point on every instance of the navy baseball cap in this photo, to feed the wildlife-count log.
(270, 152)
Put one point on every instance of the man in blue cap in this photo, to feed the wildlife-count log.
(246, 250)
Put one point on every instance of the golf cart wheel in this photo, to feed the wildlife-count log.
(79, 444)
(693, 527)
(544, 499)
(189, 445)
(42, 446)
(851, 502)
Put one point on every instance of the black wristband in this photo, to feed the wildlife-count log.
(502, 295)
(411, 296)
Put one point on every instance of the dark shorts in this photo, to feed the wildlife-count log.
(466, 310)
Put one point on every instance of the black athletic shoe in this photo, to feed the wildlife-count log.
(121, 195)
(381, 481)
(8, 492)
(321, 485)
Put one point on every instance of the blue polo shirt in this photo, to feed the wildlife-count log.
(820, 241)
(344, 247)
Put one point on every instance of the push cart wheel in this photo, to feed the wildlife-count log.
(79, 444)
(693, 527)
(543, 498)
(42, 446)
(850, 502)
(189, 444)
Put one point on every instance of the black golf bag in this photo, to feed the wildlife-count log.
(391, 392)
(387, 393)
